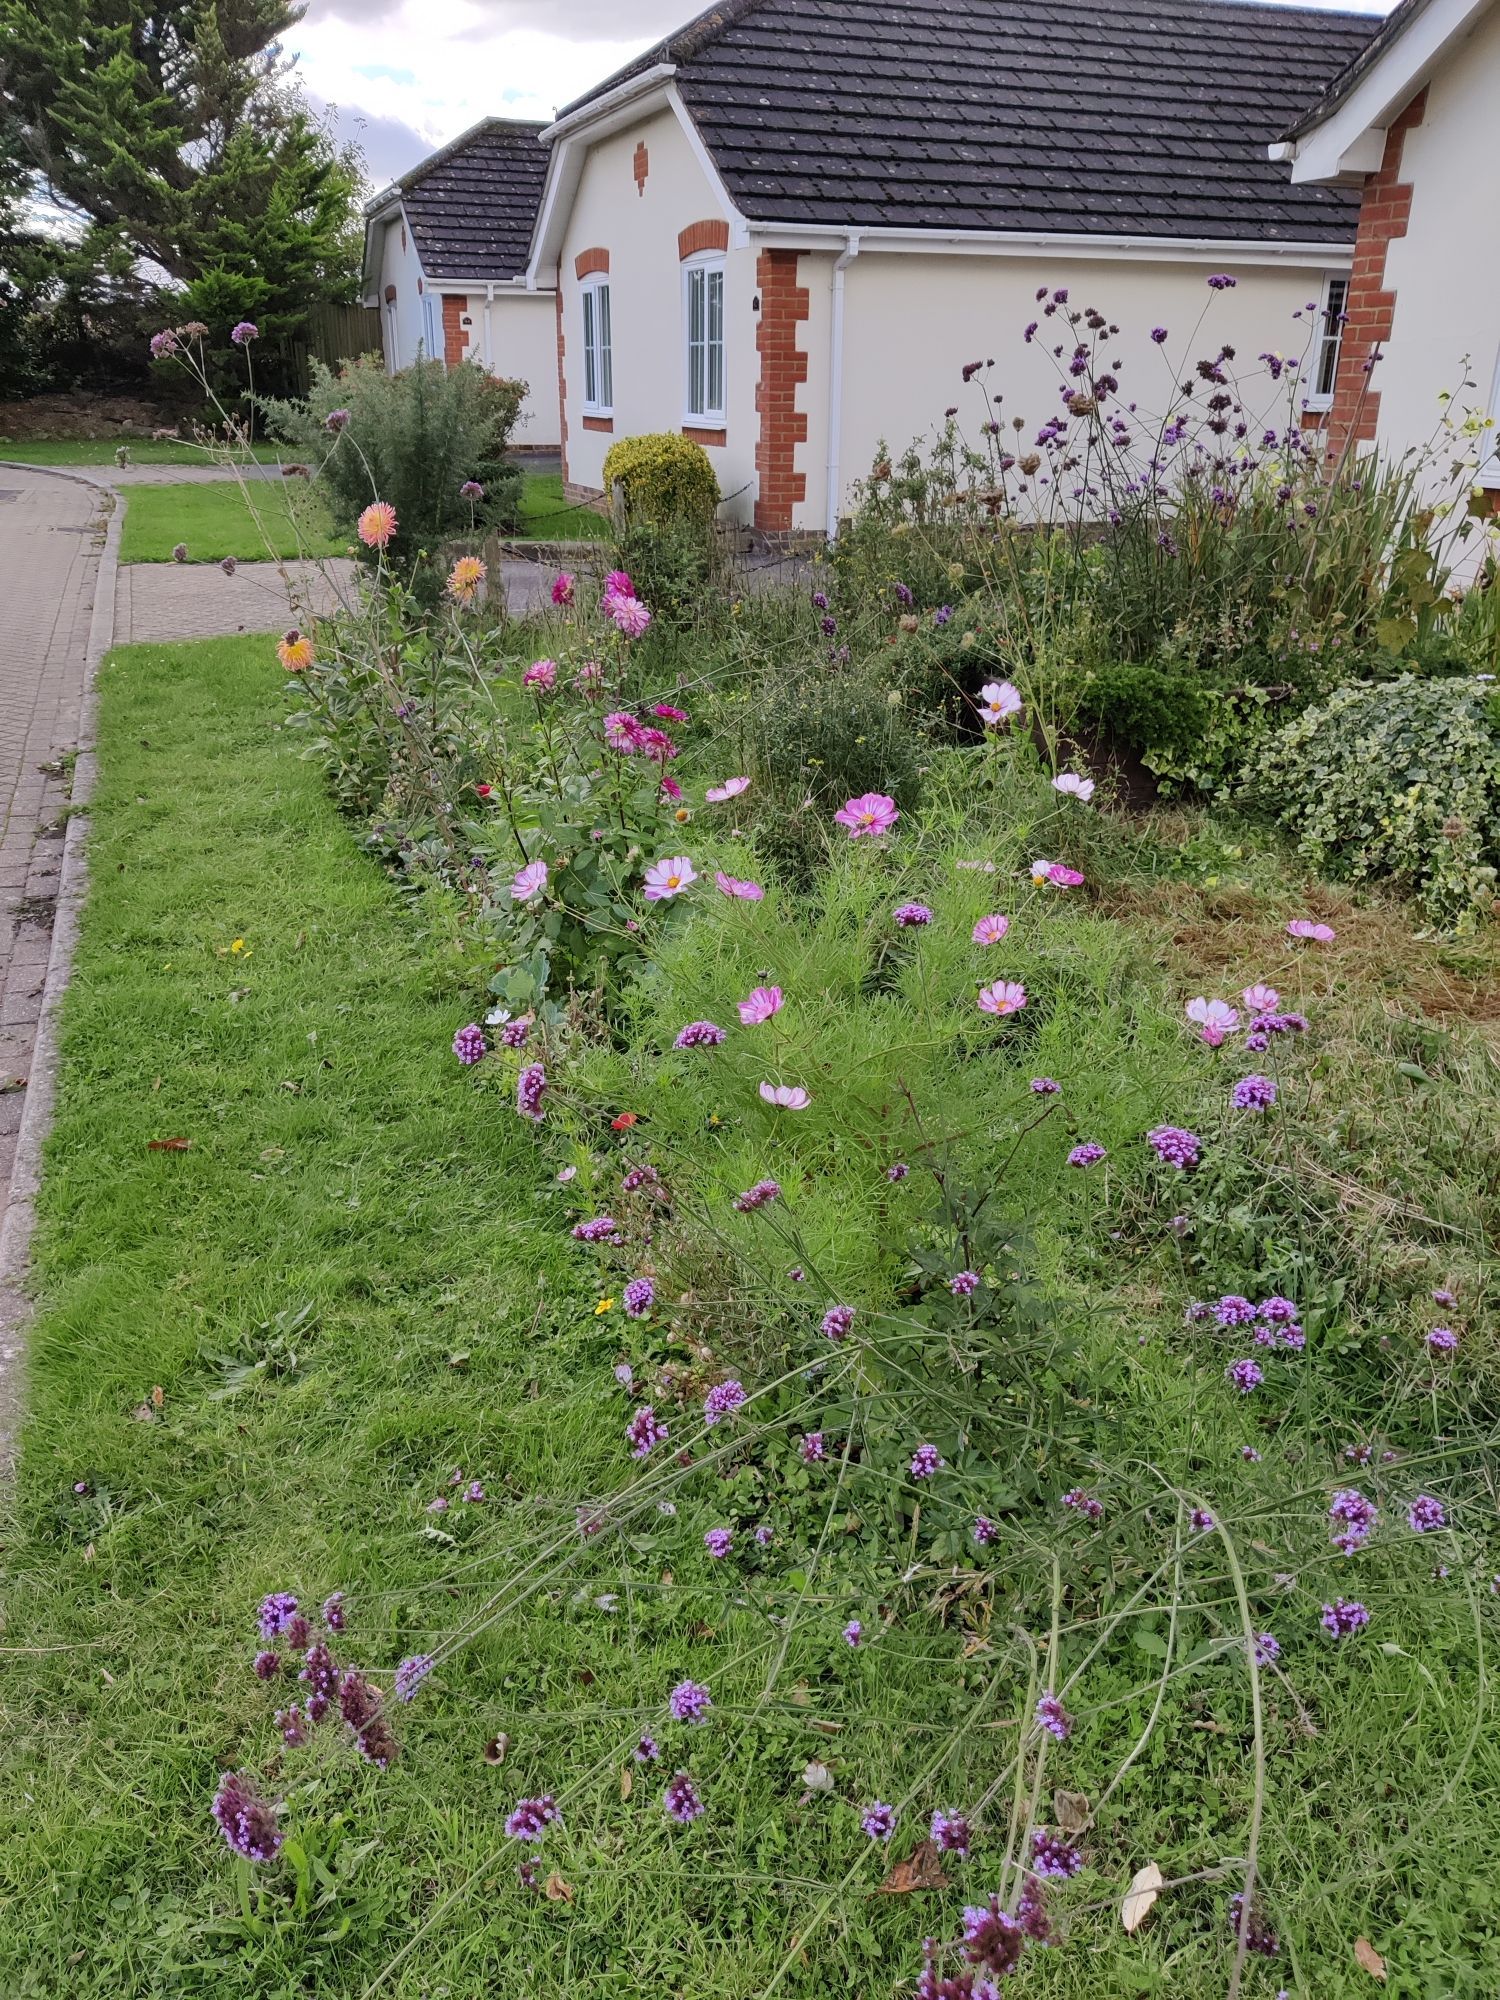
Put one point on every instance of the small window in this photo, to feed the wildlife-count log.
(598, 360)
(703, 301)
(1323, 371)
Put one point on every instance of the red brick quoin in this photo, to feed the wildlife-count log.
(711, 235)
(783, 367)
(1370, 314)
(455, 339)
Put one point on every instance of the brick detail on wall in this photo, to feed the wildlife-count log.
(1384, 212)
(700, 436)
(708, 235)
(783, 368)
(640, 166)
(599, 424)
(562, 378)
(588, 262)
(455, 337)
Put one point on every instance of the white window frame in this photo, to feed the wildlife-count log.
(1328, 341)
(597, 346)
(431, 322)
(698, 273)
(1489, 465)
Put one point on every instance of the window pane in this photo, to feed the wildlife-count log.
(606, 357)
(715, 341)
(695, 343)
(1328, 356)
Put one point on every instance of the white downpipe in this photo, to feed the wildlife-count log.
(489, 330)
(836, 387)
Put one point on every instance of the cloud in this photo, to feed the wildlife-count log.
(587, 20)
(390, 146)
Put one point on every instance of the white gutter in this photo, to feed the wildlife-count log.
(610, 100)
(1025, 243)
(836, 387)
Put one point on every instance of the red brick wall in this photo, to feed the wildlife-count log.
(1370, 314)
(455, 338)
(698, 236)
(783, 368)
(587, 262)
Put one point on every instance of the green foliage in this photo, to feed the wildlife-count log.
(672, 564)
(413, 439)
(666, 477)
(175, 125)
(1400, 780)
(826, 735)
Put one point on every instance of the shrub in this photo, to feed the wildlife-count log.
(817, 735)
(673, 568)
(666, 478)
(1398, 780)
(413, 439)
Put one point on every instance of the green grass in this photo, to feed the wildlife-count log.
(358, 1277)
(101, 451)
(547, 517)
(219, 518)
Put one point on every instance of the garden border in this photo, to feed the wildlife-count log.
(19, 1222)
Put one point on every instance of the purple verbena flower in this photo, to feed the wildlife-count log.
(1442, 1340)
(640, 1296)
(1087, 1154)
(913, 916)
(812, 1449)
(1253, 1093)
(1426, 1514)
(854, 1632)
(925, 1461)
(718, 1542)
(1084, 1503)
(643, 1433)
(1259, 1936)
(647, 1750)
(246, 1820)
(963, 1283)
(530, 1818)
(1053, 1717)
(951, 1833)
(722, 1400)
(469, 1044)
(276, 1612)
(681, 1801)
(689, 1701)
(1244, 1376)
(1267, 1648)
(1045, 1086)
(984, 1531)
(531, 1088)
(700, 1035)
(410, 1675)
(267, 1666)
(333, 1611)
(598, 1230)
(1233, 1310)
(1343, 1617)
(878, 1820)
(1053, 1856)
(1174, 1146)
(757, 1196)
(837, 1322)
(1353, 1517)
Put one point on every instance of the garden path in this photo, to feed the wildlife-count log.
(53, 544)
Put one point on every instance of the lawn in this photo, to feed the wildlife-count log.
(217, 518)
(101, 451)
(547, 517)
(264, 1352)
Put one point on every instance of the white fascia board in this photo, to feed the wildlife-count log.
(1338, 146)
(570, 139)
(1026, 243)
(739, 228)
(376, 217)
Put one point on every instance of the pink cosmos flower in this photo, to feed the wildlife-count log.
(730, 789)
(998, 702)
(871, 812)
(785, 1096)
(1004, 996)
(744, 892)
(665, 879)
(990, 930)
(764, 1001)
(1303, 927)
(377, 524)
(622, 732)
(1216, 1019)
(629, 614)
(529, 881)
(1074, 787)
(540, 674)
(1261, 999)
(562, 588)
(1055, 872)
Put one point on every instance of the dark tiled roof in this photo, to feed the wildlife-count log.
(1114, 117)
(471, 207)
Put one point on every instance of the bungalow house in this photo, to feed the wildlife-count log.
(445, 262)
(1404, 124)
(787, 228)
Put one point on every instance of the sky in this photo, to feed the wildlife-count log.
(405, 76)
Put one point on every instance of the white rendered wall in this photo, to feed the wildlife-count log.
(515, 335)
(402, 268)
(640, 229)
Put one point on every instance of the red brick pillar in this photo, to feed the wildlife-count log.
(455, 339)
(1370, 313)
(783, 368)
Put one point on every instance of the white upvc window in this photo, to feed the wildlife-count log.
(598, 356)
(1323, 361)
(703, 333)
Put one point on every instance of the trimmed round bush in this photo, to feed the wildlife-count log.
(1399, 779)
(666, 478)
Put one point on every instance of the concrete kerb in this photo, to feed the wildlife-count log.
(41, 1091)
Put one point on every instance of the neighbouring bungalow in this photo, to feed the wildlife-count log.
(1405, 123)
(786, 229)
(446, 250)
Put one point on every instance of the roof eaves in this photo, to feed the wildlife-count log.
(1386, 36)
(681, 46)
